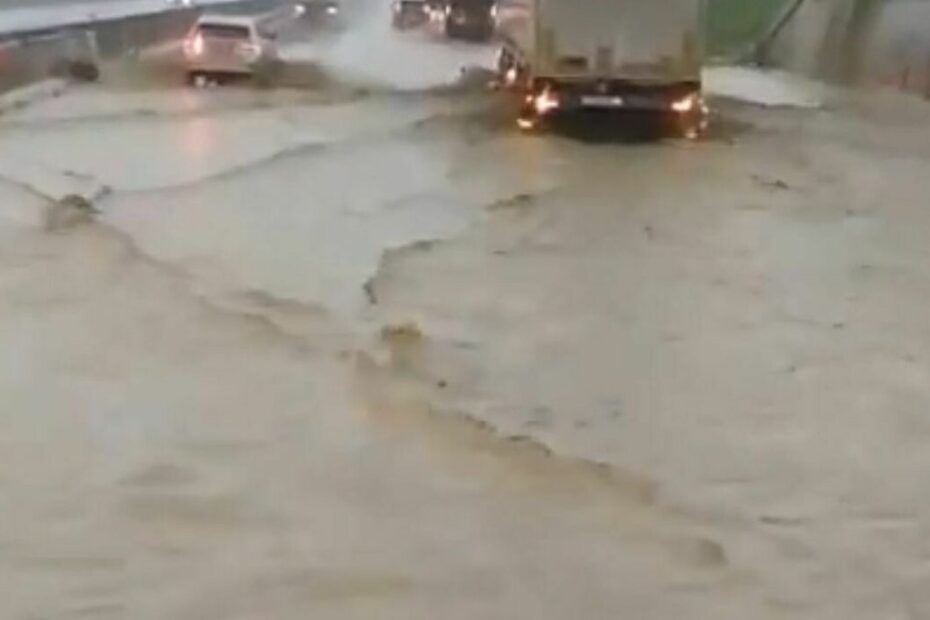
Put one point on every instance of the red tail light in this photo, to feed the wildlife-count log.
(194, 45)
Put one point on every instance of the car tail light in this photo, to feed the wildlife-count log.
(546, 102)
(510, 78)
(194, 46)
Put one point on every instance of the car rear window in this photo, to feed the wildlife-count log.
(223, 31)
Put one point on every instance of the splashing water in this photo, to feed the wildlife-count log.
(373, 55)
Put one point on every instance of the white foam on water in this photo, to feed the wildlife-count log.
(764, 87)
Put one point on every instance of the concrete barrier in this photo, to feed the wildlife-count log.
(864, 42)
(31, 59)
(130, 34)
(900, 48)
(116, 38)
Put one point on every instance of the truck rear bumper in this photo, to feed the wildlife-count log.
(614, 93)
(628, 103)
(679, 104)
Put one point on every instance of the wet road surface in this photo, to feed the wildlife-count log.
(364, 351)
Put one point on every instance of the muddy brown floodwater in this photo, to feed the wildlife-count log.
(370, 354)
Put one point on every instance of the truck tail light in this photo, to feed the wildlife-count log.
(546, 102)
(686, 104)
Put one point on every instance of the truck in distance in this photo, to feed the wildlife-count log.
(408, 14)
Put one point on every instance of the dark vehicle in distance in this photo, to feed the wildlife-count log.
(473, 20)
(320, 13)
(436, 10)
(409, 14)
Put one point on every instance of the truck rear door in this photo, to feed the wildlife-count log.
(652, 40)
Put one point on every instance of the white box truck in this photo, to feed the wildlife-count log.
(623, 56)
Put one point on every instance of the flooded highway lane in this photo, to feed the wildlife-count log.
(223, 451)
(353, 352)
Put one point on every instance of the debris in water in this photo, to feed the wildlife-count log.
(80, 70)
(404, 334)
(517, 201)
(770, 183)
(370, 294)
(530, 444)
(69, 212)
(84, 71)
(709, 553)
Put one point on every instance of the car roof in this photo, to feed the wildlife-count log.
(227, 20)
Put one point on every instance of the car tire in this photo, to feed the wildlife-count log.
(198, 79)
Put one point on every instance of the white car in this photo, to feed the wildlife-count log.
(221, 46)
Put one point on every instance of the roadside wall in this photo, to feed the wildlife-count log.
(900, 48)
(120, 36)
(733, 26)
(861, 42)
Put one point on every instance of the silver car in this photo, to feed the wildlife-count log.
(228, 46)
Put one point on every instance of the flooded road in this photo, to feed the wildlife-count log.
(364, 351)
